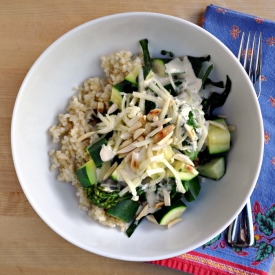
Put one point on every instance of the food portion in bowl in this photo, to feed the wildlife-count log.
(138, 143)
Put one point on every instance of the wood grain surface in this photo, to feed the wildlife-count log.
(27, 28)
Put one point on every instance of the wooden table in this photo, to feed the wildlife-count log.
(27, 28)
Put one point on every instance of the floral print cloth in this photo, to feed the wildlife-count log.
(216, 257)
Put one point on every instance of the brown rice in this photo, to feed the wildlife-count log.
(94, 95)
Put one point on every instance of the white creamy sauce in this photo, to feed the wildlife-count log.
(154, 197)
(106, 153)
(185, 74)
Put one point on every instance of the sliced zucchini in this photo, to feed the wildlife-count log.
(115, 175)
(116, 97)
(149, 75)
(125, 210)
(218, 138)
(214, 169)
(158, 66)
(184, 175)
(189, 197)
(169, 213)
(132, 76)
(128, 85)
(86, 174)
(94, 151)
(194, 188)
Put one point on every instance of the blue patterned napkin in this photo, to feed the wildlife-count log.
(216, 257)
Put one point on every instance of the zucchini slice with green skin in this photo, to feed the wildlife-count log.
(184, 175)
(189, 197)
(194, 188)
(86, 174)
(115, 175)
(132, 76)
(94, 151)
(158, 65)
(168, 213)
(116, 97)
(125, 210)
(214, 169)
(128, 85)
(218, 138)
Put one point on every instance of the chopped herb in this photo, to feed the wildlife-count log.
(191, 120)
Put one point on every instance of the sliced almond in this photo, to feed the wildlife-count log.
(162, 146)
(173, 222)
(140, 138)
(125, 143)
(142, 120)
(121, 156)
(152, 219)
(134, 162)
(155, 119)
(190, 131)
(135, 127)
(166, 139)
(171, 102)
(155, 131)
(191, 169)
(153, 113)
(143, 212)
(138, 132)
(126, 135)
(128, 157)
(138, 149)
(134, 120)
(163, 133)
(110, 171)
(184, 159)
(143, 142)
(147, 128)
(159, 205)
(127, 149)
(100, 107)
(112, 109)
(161, 122)
(166, 196)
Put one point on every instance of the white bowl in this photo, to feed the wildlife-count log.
(45, 93)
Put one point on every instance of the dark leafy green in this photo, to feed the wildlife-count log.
(133, 226)
(216, 100)
(149, 105)
(146, 57)
(218, 84)
(197, 63)
(126, 86)
(208, 71)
